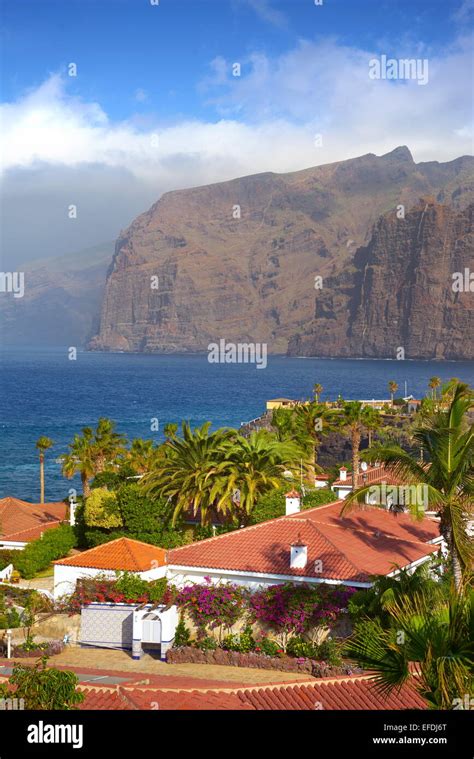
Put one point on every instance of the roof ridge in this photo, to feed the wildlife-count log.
(252, 526)
(370, 532)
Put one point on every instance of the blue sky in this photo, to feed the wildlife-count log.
(155, 107)
(128, 48)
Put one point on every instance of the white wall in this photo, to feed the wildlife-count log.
(66, 576)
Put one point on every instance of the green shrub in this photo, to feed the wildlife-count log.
(54, 544)
(268, 647)
(182, 636)
(6, 558)
(301, 648)
(207, 644)
(244, 642)
(330, 651)
(102, 509)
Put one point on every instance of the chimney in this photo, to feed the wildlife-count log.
(72, 511)
(293, 502)
(343, 473)
(298, 554)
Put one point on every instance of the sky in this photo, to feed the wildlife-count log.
(106, 104)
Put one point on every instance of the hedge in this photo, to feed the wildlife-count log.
(38, 555)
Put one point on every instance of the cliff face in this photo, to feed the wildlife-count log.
(238, 260)
(398, 293)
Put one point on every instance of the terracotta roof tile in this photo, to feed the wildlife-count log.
(350, 693)
(121, 554)
(22, 521)
(351, 548)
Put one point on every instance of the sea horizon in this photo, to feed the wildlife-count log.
(45, 393)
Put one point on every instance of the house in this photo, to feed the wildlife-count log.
(312, 546)
(368, 475)
(121, 555)
(21, 522)
(274, 403)
(321, 481)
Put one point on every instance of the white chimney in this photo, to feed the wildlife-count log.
(72, 512)
(343, 473)
(293, 502)
(298, 554)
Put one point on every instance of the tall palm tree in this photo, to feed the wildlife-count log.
(311, 422)
(429, 644)
(42, 444)
(81, 459)
(108, 444)
(372, 422)
(183, 474)
(447, 438)
(317, 390)
(354, 418)
(251, 467)
(433, 384)
(392, 389)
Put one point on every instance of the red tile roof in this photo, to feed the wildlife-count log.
(121, 554)
(373, 475)
(350, 693)
(352, 548)
(22, 521)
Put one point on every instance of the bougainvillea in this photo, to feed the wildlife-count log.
(210, 606)
(295, 609)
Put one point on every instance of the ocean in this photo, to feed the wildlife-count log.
(45, 393)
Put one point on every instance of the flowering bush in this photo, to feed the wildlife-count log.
(128, 588)
(210, 606)
(244, 642)
(268, 647)
(291, 609)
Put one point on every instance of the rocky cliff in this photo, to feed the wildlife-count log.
(398, 293)
(239, 260)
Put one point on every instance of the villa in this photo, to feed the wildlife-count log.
(21, 522)
(311, 546)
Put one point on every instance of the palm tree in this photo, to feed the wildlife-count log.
(170, 431)
(433, 384)
(429, 644)
(184, 473)
(317, 390)
(42, 444)
(372, 421)
(448, 440)
(108, 444)
(141, 455)
(354, 418)
(251, 467)
(81, 459)
(312, 421)
(392, 388)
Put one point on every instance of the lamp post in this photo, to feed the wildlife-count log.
(9, 644)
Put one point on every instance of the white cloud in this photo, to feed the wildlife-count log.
(268, 119)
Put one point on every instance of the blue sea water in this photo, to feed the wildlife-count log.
(45, 393)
